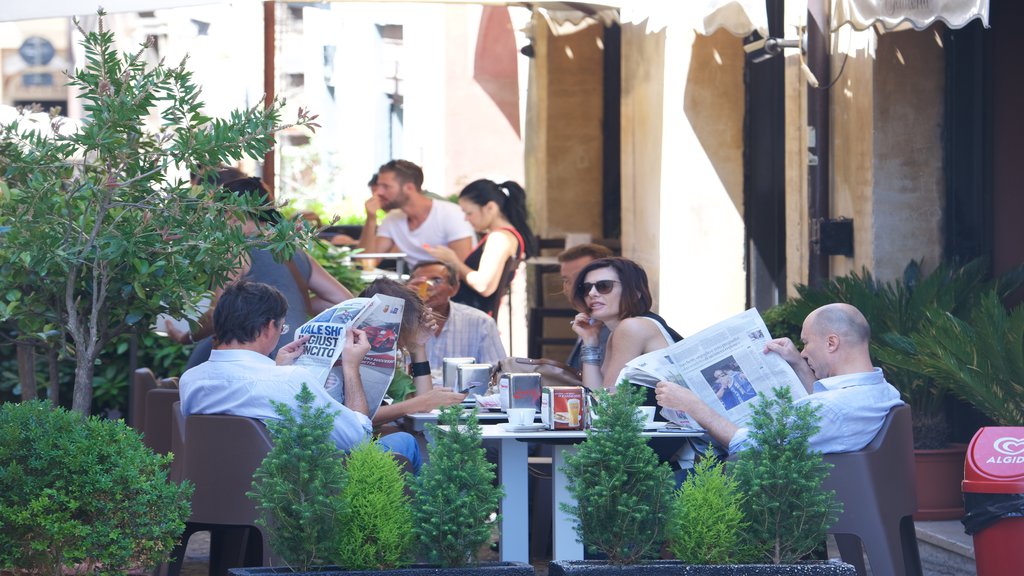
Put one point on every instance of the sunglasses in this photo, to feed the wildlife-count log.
(603, 286)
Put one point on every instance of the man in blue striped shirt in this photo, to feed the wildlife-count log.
(462, 331)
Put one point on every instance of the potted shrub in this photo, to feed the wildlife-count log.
(81, 495)
(99, 235)
(978, 356)
(897, 310)
(324, 516)
(612, 485)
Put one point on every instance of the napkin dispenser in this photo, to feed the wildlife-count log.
(519, 390)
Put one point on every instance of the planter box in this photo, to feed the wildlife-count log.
(482, 569)
(937, 478)
(677, 568)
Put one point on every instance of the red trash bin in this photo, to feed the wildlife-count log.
(994, 480)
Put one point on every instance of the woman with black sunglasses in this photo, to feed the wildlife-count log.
(614, 292)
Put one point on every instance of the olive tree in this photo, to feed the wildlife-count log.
(97, 235)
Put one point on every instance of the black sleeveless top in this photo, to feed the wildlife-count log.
(471, 297)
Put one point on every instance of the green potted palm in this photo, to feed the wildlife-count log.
(980, 356)
(770, 508)
(896, 311)
(329, 514)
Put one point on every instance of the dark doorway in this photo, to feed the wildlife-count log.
(764, 173)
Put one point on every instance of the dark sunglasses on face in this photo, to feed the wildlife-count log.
(603, 286)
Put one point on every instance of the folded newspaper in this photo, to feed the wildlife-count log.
(725, 365)
(381, 318)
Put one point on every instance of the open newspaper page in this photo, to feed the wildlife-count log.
(382, 325)
(725, 365)
(327, 335)
(381, 318)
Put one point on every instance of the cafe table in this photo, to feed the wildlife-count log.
(419, 420)
(514, 541)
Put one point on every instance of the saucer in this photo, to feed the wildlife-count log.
(527, 428)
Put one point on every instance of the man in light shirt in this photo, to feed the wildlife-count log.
(240, 378)
(851, 395)
(414, 219)
(462, 331)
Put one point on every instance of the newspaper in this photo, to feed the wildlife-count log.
(725, 365)
(381, 318)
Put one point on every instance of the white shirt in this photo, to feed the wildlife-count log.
(244, 383)
(444, 224)
(468, 332)
(852, 408)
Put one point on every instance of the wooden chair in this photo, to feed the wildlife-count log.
(876, 487)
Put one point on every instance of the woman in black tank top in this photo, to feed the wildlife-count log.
(614, 292)
(499, 212)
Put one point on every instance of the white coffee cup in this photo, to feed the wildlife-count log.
(647, 413)
(521, 416)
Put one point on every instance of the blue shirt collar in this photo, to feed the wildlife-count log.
(238, 355)
(848, 380)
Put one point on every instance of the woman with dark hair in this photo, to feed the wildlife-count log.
(614, 293)
(499, 212)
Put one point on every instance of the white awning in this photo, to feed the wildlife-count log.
(901, 14)
(739, 17)
(11, 10)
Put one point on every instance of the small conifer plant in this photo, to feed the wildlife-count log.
(707, 523)
(375, 526)
(455, 493)
(623, 493)
(296, 487)
(781, 478)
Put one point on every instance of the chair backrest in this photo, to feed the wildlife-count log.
(156, 433)
(504, 283)
(177, 443)
(878, 477)
(143, 381)
(221, 454)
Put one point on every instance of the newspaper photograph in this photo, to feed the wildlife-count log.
(725, 365)
(382, 325)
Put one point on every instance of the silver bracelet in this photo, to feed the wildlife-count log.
(591, 355)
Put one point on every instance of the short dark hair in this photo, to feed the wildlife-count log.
(254, 188)
(590, 250)
(453, 275)
(244, 309)
(636, 293)
(405, 171)
(413, 314)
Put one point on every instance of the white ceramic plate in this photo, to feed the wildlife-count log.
(528, 428)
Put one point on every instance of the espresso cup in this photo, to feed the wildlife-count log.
(647, 414)
(521, 416)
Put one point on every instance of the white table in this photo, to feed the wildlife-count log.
(420, 419)
(514, 538)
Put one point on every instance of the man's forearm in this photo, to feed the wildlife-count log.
(717, 426)
(355, 396)
(368, 237)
